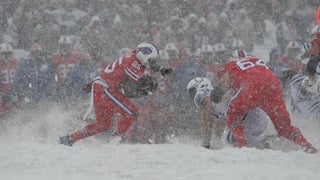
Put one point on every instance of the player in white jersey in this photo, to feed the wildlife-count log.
(305, 91)
(212, 118)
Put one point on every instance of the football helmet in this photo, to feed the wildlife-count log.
(205, 83)
(239, 54)
(196, 83)
(148, 54)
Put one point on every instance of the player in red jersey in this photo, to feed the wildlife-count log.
(110, 95)
(8, 67)
(256, 86)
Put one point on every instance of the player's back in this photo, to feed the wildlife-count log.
(246, 69)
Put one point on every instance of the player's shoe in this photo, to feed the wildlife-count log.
(66, 140)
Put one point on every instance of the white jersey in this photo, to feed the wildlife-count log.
(305, 104)
(255, 121)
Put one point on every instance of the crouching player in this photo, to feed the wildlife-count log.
(212, 119)
(256, 86)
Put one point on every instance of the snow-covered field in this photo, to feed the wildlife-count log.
(24, 155)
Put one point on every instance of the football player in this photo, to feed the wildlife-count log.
(256, 86)
(112, 89)
(212, 119)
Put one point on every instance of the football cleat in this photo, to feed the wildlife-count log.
(66, 140)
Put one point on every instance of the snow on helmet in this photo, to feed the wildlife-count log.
(239, 54)
(148, 54)
(197, 83)
(205, 83)
(5, 48)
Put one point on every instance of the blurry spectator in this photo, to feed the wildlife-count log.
(286, 31)
(155, 35)
(185, 69)
(245, 30)
(304, 18)
(221, 27)
(46, 32)
(118, 34)
(192, 31)
(180, 39)
(34, 80)
(8, 66)
(206, 60)
(65, 61)
(94, 37)
(25, 18)
(69, 17)
(221, 54)
(138, 27)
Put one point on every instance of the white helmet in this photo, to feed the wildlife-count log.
(196, 84)
(205, 83)
(148, 54)
(239, 54)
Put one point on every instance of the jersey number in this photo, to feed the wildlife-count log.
(245, 64)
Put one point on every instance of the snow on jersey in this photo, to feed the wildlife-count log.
(7, 74)
(244, 70)
(128, 64)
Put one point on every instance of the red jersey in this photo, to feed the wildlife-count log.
(246, 70)
(128, 64)
(63, 64)
(7, 74)
(257, 86)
